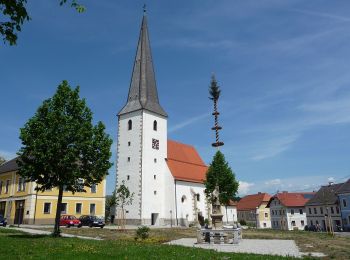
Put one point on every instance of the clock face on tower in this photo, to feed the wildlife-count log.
(155, 144)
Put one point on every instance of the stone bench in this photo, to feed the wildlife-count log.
(221, 236)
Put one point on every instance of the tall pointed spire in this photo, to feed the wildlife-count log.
(143, 90)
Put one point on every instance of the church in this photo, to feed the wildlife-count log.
(165, 176)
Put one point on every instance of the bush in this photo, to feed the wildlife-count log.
(243, 222)
(142, 232)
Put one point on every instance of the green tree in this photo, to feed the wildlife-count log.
(220, 174)
(62, 148)
(14, 13)
(2, 160)
(110, 203)
(123, 198)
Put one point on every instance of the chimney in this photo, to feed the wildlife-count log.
(330, 183)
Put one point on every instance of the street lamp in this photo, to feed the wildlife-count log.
(256, 216)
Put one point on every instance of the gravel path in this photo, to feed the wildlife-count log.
(255, 246)
(42, 232)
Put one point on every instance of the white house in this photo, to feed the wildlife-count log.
(165, 176)
(287, 210)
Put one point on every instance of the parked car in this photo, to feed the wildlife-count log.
(92, 221)
(70, 221)
(3, 221)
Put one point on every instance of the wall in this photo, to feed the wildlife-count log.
(345, 210)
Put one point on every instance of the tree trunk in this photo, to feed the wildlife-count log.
(56, 231)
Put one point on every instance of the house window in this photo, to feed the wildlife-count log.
(92, 208)
(292, 211)
(47, 207)
(154, 176)
(280, 212)
(128, 159)
(155, 125)
(198, 197)
(315, 210)
(332, 210)
(266, 215)
(93, 188)
(155, 160)
(302, 223)
(337, 209)
(155, 192)
(78, 208)
(7, 187)
(64, 208)
(301, 211)
(21, 184)
(128, 177)
(321, 209)
(310, 211)
(129, 143)
(344, 203)
(312, 223)
(293, 223)
(129, 125)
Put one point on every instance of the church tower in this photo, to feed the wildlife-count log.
(142, 140)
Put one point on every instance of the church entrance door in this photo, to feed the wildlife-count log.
(154, 219)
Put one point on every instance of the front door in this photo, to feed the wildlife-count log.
(154, 219)
(19, 212)
(2, 208)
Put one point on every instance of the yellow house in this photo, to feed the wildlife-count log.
(20, 203)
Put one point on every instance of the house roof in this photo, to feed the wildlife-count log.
(184, 162)
(325, 195)
(9, 166)
(143, 90)
(250, 202)
(345, 188)
(292, 199)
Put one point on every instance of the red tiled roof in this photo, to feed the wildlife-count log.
(184, 163)
(292, 199)
(250, 202)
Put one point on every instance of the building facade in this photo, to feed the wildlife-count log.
(287, 210)
(344, 200)
(323, 209)
(252, 209)
(20, 203)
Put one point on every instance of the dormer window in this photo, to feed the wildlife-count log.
(155, 125)
(129, 125)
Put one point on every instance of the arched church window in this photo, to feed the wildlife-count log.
(155, 125)
(198, 197)
(183, 199)
(129, 125)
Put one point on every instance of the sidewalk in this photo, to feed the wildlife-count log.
(42, 232)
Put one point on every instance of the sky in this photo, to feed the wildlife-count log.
(283, 68)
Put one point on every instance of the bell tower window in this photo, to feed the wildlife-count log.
(155, 125)
(129, 125)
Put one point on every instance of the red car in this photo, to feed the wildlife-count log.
(70, 221)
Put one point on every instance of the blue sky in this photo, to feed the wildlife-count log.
(283, 67)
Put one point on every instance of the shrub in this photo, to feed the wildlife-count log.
(243, 222)
(142, 232)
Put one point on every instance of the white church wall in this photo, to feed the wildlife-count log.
(231, 216)
(169, 197)
(185, 208)
(130, 170)
(153, 168)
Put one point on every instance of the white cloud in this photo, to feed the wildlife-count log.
(244, 187)
(273, 182)
(320, 14)
(188, 122)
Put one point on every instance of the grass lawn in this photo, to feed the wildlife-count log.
(17, 245)
(333, 247)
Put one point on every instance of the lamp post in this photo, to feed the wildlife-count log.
(171, 218)
(256, 216)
